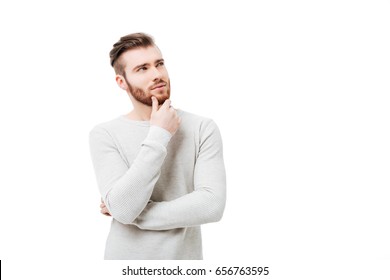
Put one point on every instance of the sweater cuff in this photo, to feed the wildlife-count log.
(160, 135)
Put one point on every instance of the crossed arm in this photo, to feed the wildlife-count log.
(126, 191)
(204, 205)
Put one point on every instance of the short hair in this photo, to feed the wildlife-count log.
(128, 42)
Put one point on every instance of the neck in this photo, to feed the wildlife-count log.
(141, 112)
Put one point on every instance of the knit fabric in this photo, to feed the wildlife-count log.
(159, 189)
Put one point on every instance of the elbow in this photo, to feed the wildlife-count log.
(124, 219)
(216, 210)
(214, 217)
(218, 215)
(123, 215)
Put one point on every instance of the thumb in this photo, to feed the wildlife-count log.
(154, 104)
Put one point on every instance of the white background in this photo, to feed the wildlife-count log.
(299, 89)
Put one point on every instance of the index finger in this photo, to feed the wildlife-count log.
(154, 104)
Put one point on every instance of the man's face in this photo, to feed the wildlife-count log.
(146, 75)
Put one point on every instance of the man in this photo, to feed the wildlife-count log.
(159, 170)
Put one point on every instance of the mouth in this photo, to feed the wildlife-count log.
(158, 86)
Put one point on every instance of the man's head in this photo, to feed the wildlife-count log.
(140, 69)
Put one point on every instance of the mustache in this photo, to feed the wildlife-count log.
(157, 83)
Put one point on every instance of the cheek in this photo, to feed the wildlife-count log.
(138, 83)
(165, 73)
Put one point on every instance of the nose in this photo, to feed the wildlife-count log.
(157, 75)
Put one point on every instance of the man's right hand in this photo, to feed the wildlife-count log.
(165, 116)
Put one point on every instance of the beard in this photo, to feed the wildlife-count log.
(145, 97)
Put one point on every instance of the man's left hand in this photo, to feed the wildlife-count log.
(103, 209)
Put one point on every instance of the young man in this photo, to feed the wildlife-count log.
(160, 170)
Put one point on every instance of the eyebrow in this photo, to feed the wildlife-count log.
(159, 60)
(147, 64)
(139, 66)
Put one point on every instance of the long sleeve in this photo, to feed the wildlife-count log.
(206, 203)
(126, 189)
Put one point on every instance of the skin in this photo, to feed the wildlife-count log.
(103, 209)
(147, 83)
(145, 76)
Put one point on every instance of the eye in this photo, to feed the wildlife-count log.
(142, 69)
(161, 63)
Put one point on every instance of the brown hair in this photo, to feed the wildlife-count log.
(128, 42)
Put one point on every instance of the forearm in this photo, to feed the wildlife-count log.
(129, 195)
(206, 203)
(199, 207)
(126, 190)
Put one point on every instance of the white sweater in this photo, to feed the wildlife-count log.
(159, 189)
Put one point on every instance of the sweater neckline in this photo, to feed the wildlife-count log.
(142, 123)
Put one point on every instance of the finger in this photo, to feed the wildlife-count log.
(104, 210)
(154, 104)
(167, 104)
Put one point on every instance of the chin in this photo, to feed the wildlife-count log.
(161, 99)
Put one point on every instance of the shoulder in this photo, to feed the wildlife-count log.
(188, 118)
(202, 127)
(105, 128)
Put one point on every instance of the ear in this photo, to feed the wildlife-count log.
(120, 80)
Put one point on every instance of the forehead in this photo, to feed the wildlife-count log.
(139, 56)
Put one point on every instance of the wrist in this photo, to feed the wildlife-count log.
(159, 134)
